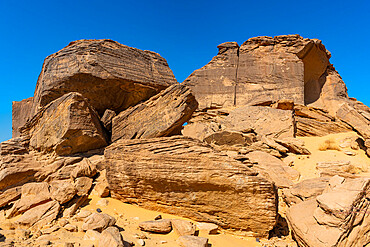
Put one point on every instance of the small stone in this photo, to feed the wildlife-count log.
(157, 226)
(141, 242)
(51, 229)
(183, 227)
(83, 214)
(99, 210)
(193, 241)
(98, 222)
(158, 217)
(91, 235)
(102, 202)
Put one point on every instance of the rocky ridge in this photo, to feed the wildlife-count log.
(107, 120)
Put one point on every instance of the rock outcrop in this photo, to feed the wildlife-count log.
(203, 184)
(20, 114)
(161, 115)
(262, 69)
(67, 125)
(110, 75)
(338, 217)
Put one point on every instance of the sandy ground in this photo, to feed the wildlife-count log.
(306, 164)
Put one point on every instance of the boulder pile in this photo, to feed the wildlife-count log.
(111, 120)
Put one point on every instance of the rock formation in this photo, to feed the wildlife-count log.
(227, 148)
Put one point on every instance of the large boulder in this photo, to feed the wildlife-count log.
(274, 123)
(338, 217)
(161, 115)
(20, 114)
(67, 125)
(110, 75)
(262, 69)
(186, 177)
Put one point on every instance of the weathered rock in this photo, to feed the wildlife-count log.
(40, 215)
(84, 168)
(18, 145)
(20, 114)
(266, 121)
(83, 185)
(230, 138)
(98, 222)
(192, 241)
(157, 226)
(312, 121)
(74, 205)
(67, 125)
(107, 118)
(110, 237)
(32, 194)
(70, 228)
(273, 168)
(62, 190)
(200, 179)
(208, 228)
(352, 117)
(161, 115)
(338, 217)
(101, 187)
(294, 145)
(340, 168)
(262, 69)
(92, 235)
(305, 190)
(200, 130)
(183, 227)
(110, 75)
(10, 195)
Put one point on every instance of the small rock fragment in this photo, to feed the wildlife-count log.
(157, 226)
(193, 241)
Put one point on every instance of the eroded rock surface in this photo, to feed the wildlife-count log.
(161, 115)
(200, 180)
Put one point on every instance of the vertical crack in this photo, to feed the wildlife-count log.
(236, 76)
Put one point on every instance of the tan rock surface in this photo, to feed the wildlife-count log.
(200, 180)
(98, 222)
(20, 114)
(161, 115)
(102, 70)
(183, 227)
(274, 123)
(338, 217)
(156, 226)
(62, 191)
(110, 237)
(67, 125)
(193, 241)
(262, 69)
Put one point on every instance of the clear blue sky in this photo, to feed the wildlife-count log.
(186, 33)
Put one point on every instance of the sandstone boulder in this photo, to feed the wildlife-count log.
(67, 125)
(201, 181)
(192, 241)
(62, 191)
(98, 222)
(83, 185)
(338, 217)
(110, 237)
(357, 121)
(156, 226)
(274, 123)
(110, 75)
(230, 138)
(40, 215)
(161, 115)
(20, 114)
(10, 195)
(183, 227)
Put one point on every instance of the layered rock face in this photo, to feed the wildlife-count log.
(110, 75)
(186, 177)
(67, 125)
(262, 69)
(20, 114)
(161, 115)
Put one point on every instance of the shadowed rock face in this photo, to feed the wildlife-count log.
(20, 114)
(262, 69)
(110, 75)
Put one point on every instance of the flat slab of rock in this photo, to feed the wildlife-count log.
(98, 222)
(208, 228)
(62, 190)
(183, 227)
(273, 123)
(40, 215)
(161, 115)
(192, 241)
(157, 226)
(338, 217)
(67, 125)
(200, 179)
(10, 195)
(273, 168)
(110, 75)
